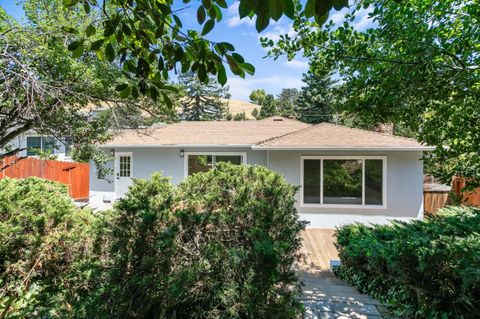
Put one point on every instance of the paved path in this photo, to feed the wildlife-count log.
(324, 295)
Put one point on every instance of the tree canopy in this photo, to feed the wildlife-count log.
(147, 37)
(419, 65)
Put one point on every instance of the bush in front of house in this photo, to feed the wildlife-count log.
(220, 245)
(43, 236)
(422, 269)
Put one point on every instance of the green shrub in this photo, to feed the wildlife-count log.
(423, 269)
(220, 245)
(43, 236)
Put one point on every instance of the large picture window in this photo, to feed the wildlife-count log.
(343, 181)
(202, 162)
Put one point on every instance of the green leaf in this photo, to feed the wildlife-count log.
(78, 51)
(322, 7)
(227, 46)
(135, 92)
(201, 15)
(109, 52)
(121, 87)
(90, 30)
(310, 8)
(177, 20)
(218, 13)
(202, 73)
(207, 3)
(339, 4)
(86, 6)
(70, 30)
(222, 3)
(97, 45)
(109, 28)
(245, 7)
(238, 57)
(70, 3)
(289, 9)
(74, 45)
(276, 8)
(221, 74)
(125, 92)
(208, 26)
(262, 22)
(250, 69)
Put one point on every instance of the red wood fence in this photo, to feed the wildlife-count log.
(73, 174)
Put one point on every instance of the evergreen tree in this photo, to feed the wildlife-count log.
(202, 101)
(315, 102)
(287, 101)
(268, 107)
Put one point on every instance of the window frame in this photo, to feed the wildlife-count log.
(55, 150)
(356, 206)
(213, 154)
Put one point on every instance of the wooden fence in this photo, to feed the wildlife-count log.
(436, 196)
(73, 174)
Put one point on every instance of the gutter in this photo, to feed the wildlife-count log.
(311, 148)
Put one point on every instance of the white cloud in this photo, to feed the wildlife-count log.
(362, 20)
(241, 88)
(276, 30)
(234, 20)
(296, 64)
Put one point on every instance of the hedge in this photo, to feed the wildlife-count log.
(219, 245)
(421, 269)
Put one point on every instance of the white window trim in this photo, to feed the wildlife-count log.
(186, 154)
(355, 206)
(116, 166)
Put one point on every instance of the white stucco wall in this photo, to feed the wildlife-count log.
(404, 180)
(404, 188)
(146, 161)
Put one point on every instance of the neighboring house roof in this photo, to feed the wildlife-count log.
(327, 136)
(207, 133)
(271, 133)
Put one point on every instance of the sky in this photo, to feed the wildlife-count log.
(270, 75)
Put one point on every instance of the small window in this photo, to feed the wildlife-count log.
(34, 143)
(125, 166)
(204, 162)
(343, 181)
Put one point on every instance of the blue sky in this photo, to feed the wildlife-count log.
(271, 75)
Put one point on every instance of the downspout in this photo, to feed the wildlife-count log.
(268, 159)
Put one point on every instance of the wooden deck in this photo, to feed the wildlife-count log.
(318, 249)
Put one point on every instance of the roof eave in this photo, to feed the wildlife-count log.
(312, 148)
(170, 145)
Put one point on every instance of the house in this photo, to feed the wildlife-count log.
(345, 175)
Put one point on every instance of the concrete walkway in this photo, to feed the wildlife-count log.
(324, 295)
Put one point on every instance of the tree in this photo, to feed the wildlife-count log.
(43, 88)
(418, 66)
(202, 101)
(286, 101)
(257, 96)
(240, 117)
(147, 37)
(314, 103)
(268, 107)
